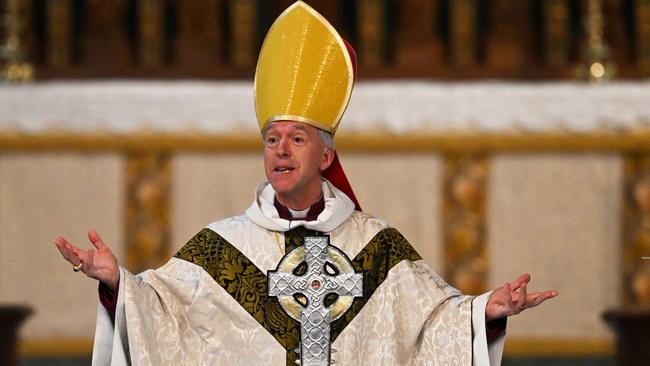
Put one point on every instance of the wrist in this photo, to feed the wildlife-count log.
(115, 282)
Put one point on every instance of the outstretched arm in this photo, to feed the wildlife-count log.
(513, 298)
(98, 263)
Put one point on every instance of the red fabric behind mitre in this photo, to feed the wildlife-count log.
(334, 173)
(336, 176)
(353, 56)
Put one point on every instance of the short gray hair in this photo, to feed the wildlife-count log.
(327, 138)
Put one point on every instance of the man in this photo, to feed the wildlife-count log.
(211, 304)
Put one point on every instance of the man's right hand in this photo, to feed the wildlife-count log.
(98, 263)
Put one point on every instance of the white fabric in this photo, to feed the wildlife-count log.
(178, 315)
(387, 106)
(111, 347)
(338, 207)
(494, 349)
(301, 214)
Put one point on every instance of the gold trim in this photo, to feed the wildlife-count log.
(13, 62)
(371, 26)
(636, 233)
(463, 17)
(291, 262)
(642, 29)
(556, 32)
(553, 347)
(58, 32)
(243, 20)
(309, 121)
(56, 347)
(464, 215)
(376, 143)
(147, 207)
(515, 347)
(151, 18)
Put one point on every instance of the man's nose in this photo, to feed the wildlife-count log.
(283, 147)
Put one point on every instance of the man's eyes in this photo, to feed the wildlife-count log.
(272, 140)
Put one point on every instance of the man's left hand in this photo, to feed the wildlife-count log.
(512, 298)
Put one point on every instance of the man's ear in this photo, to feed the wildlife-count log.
(328, 157)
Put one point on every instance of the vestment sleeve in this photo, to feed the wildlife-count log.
(151, 314)
(111, 342)
(108, 298)
(485, 352)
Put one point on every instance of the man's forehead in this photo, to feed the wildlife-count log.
(290, 125)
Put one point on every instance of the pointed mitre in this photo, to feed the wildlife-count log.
(304, 72)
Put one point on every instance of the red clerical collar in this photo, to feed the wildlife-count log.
(312, 214)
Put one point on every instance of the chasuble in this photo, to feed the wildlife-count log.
(209, 304)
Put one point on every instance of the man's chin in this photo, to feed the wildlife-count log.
(281, 187)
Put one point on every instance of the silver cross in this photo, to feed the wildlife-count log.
(329, 271)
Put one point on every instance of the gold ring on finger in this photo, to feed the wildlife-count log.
(77, 267)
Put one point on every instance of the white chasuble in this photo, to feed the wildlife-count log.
(209, 305)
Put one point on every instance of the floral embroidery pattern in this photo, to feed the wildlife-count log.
(247, 284)
(377, 258)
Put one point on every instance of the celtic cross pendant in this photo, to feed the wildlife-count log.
(316, 296)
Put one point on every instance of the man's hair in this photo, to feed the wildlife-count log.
(327, 138)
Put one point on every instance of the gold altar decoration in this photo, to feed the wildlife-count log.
(151, 18)
(243, 19)
(372, 26)
(198, 42)
(642, 28)
(465, 259)
(463, 18)
(556, 32)
(59, 32)
(636, 221)
(596, 65)
(13, 55)
(147, 210)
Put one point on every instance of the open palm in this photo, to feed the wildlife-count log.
(512, 298)
(98, 263)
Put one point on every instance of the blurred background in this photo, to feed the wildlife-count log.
(500, 137)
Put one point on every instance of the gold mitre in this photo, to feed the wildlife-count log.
(304, 72)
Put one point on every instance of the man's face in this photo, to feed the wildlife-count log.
(294, 156)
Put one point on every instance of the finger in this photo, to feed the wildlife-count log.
(508, 293)
(95, 239)
(516, 284)
(82, 255)
(540, 297)
(67, 250)
(88, 266)
(60, 244)
(521, 302)
(60, 241)
(66, 253)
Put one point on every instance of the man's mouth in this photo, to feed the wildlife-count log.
(283, 170)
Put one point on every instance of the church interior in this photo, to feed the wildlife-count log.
(500, 137)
